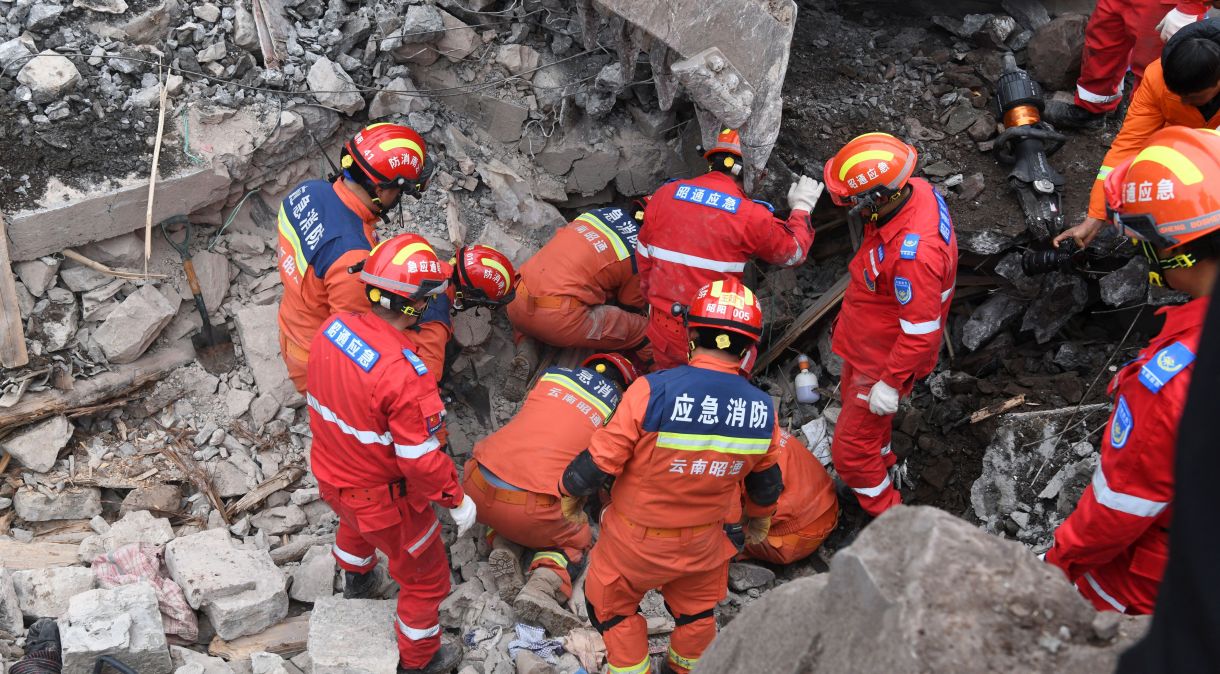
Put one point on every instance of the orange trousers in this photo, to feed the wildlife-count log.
(690, 567)
(531, 520)
(861, 444)
(574, 325)
(296, 358)
(786, 547)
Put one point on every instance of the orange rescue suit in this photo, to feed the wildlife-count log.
(807, 511)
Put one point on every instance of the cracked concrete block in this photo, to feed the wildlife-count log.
(37, 446)
(241, 591)
(123, 621)
(49, 76)
(44, 593)
(258, 329)
(70, 504)
(399, 98)
(139, 526)
(212, 269)
(337, 623)
(129, 330)
(333, 87)
(280, 520)
(37, 275)
(187, 661)
(314, 578)
(10, 611)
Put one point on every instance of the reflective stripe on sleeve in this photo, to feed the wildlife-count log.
(944, 296)
(1124, 503)
(873, 492)
(691, 260)
(416, 451)
(1105, 596)
(366, 437)
(919, 328)
(415, 634)
(425, 538)
(556, 558)
(796, 257)
(1104, 172)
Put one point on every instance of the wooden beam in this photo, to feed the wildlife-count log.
(36, 555)
(284, 639)
(12, 333)
(808, 318)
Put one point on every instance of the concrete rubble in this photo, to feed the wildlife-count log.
(337, 623)
(45, 593)
(123, 622)
(37, 446)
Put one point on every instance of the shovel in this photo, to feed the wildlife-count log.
(213, 345)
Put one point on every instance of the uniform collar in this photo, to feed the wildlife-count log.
(1183, 317)
(889, 229)
(716, 178)
(353, 202)
(715, 364)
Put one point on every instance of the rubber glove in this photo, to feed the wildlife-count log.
(883, 399)
(804, 193)
(573, 509)
(899, 475)
(464, 514)
(1173, 22)
(756, 530)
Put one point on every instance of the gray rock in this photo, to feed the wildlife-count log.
(37, 275)
(206, 12)
(79, 278)
(1127, 284)
(1054, 52)
(998, 313)
(333, 87)
(1062, 297)
(71, 504)
(928, 593)
(241, 591)
(103, 6)
(245, 33)
(159, 498)
(744, 577)
(422, 25)
(398, 98)
(213, 52)
(1031, 14)
(715, 84)
(125, 250)
(123, 621)
(49, 76)
(44, 593)
(212, 269)
(129, 330)
(337, 623)
(518, 58)
(458, 40)
(13, 55)
(287, 519)
(135, 527)
(314, 578)
(11, 620)
(43, 16)
(258, 329)
(187, 661)
(37, 446)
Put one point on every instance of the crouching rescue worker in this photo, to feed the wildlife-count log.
(582, 289)
(375, 413)
(706, 229)
(514, 480)
(1114, 546)
(327, 227)
(807, 511)
(889, 329)
(680, 446)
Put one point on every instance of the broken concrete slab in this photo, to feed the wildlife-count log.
(139, 526)
(241, 591)
(337, 623)
(11, 620)
(49, 76)
(159, 498)
(70, 504)
(458, 40)
(123, 621)
(314, 578)
(281, 520)
(37, 275)
(131, 328)
(397, 99)
(333, 87)
(37, 446)
(258, 329)
(44, 593)
(212, 270)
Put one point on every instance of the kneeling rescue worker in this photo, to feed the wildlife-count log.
(514, 479)
(807, 511)
(375, 413)
(681, 445)
(1115, 544)
(889, 329)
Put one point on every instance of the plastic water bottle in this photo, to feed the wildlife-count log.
(806, 383)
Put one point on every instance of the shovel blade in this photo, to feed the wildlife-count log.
(217, 356)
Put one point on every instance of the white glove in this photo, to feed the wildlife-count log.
(804, 193)
(883, 399)
(1173, 22)
(464, 514)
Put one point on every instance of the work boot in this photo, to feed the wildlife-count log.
(1065, 115)
(538, 603)
(506, 568)
(359, 585)
(446, 659)
(517, 380)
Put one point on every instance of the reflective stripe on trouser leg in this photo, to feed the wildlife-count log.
(352, 551)
(857, 446)
(613, 604)
(423, 584)
(642, 667)
(1108, 41)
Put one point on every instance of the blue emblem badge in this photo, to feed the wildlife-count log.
(910, 244)
(902, 290)
(868, 282)
(1165, 365)
(881, 253)
(416, 362)
(1121, 424)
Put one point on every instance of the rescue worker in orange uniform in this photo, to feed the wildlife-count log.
(514, 475)
(1182, 88)
(706, 229)
(807, 511)
(1120, 35)
(1115, 544)
(681, 446)
(327, 227)
(894, 311)
(375, 414)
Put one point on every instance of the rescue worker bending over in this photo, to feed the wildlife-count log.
(807, 511)
(1115, 544)
(705, 229)
(514, 479)
(375, 413)
(889, 329)
(326, 227)
(681, 445)
(582, 289)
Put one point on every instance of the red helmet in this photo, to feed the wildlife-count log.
(401, 271)
(873, 162)
(603, 362)
(483, 276)
(388, 155)
(726, 305)
(728, 140)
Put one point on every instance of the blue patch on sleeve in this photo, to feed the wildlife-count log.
(1165, 365)
(902, 290)
(1121, 424)
(910, 245)
(881, 253)
(946, 224)
(416, 362)
(765, 204)
(869, 282)
(694, 194)
(352, 346)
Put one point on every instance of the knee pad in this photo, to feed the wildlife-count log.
(603, 626)
(680, 619)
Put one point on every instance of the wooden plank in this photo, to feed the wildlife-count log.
(808, 318)
(12, 333)
(15, 555)
(998, 408)
(255, 496)
(119, 381)
(285, 639)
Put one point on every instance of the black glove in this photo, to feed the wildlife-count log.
(737, 536)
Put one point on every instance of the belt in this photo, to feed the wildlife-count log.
(658, 532)
(506, 496)
(378, 494)
(543, 301)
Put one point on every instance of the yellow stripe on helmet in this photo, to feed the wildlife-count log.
(399, 143)
(495, 264)
(410, 250)
(1182, 168)
(882, 155)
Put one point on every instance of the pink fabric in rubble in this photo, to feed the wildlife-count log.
(142, 561)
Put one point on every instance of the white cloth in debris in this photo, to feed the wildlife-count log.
(534, 639)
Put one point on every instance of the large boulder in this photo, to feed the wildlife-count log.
(1054, 52)
(922, 591)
